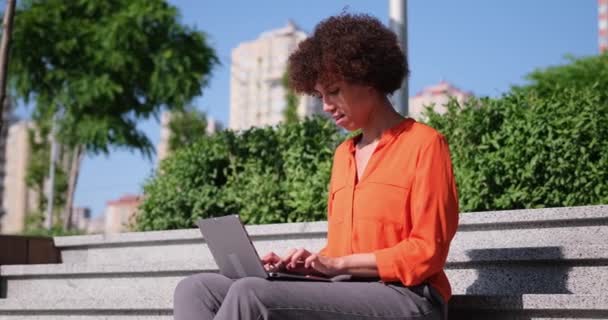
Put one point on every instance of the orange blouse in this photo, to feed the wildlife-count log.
(404, 209)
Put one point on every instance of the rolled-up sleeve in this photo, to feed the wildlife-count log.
(434, 218)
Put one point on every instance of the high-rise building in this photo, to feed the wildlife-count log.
(96, 224)
(602, 19)
(213, 125)
(81, 217)
(162, 149)
(438, 95)
(19, 200)
(257, 93)
(120, 213)
(5, 122)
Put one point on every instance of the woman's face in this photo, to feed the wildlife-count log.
(349, 105)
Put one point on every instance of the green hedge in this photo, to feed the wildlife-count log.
(544, 144)
(267, 175)
(578, 74)
(529, 149)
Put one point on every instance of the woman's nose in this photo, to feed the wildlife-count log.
(328, 106)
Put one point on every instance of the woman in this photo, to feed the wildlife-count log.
(392, 208)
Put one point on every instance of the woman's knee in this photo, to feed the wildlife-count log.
(200, 284)
(249, 286)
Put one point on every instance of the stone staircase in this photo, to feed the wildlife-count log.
(522, 264)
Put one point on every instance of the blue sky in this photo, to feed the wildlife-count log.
(480, 46)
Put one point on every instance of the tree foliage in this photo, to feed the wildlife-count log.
(38, 170)
(185, 127)
(105, 65)
(292, 100)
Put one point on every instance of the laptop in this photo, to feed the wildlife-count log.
(236, 256)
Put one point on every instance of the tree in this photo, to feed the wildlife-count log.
(186, 127)
(290, 113)
(104, 65)
(37, 177)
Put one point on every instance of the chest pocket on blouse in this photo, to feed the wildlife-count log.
(382, 202)
(340, 204)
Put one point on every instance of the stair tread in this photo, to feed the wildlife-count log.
(520, 302)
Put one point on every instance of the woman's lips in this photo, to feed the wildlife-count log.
(339, 118)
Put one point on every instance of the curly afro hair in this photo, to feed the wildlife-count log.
(354, 48)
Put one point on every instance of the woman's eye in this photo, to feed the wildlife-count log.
(335, 91)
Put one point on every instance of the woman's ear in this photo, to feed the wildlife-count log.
(374, 92)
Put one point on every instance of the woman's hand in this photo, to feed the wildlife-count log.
(302, 261)
(306, 262)
(272, 262)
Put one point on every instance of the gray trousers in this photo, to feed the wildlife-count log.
(214, 296)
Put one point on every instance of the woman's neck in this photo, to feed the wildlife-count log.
(382, 118)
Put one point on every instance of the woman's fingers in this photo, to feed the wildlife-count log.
(271, 257)
(276, 267)
(272, 262)
(308, 262)
(287, 257)
(298, 256)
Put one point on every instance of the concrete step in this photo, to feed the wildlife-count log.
(544, 264)
(535, 218)
(122, 291)
(527, 306)
(172, 245)
(102, 281)
(467, 246)
(529, 279)
(182, 245)
(137, 307)
(89, 315)
(540, 237)
(458, 259)
(540, 228)
(461, 256)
